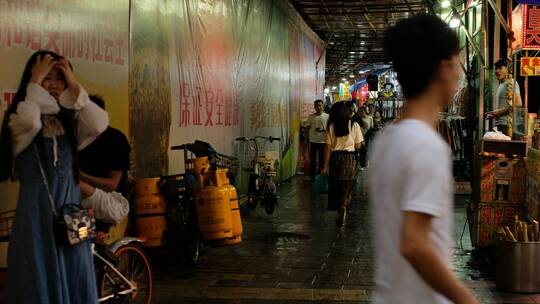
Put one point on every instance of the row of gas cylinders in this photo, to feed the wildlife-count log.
(217, 209)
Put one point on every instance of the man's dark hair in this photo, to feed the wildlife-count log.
(501, 62)
(416, 46)
(97, 99)
(317, 101)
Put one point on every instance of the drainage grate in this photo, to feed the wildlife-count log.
(288, 237)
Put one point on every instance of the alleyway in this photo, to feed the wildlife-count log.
(299, 256)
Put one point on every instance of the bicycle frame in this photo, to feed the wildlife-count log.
(131, 288)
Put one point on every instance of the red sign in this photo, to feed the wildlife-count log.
(531, 27)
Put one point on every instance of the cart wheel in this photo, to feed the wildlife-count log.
(251, 203)
(270, 202)
(194, 250)
(135, 266)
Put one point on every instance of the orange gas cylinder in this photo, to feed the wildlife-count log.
(214, 213)
(236, 218)
(153, 228)
(150, 204)
(150, 211)
(147, 186)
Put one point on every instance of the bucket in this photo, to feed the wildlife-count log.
(518, 266)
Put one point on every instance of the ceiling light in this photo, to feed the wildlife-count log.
(454, 22)
(343, 79)
(352, 76)
(333, 88)
(352, 52)
(327, 90)
(445, 4)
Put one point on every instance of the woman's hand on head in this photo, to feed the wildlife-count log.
(41, 68)
(71, 81)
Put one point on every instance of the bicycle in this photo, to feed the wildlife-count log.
(123, 271)
(262, 174)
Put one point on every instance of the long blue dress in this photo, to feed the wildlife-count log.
(39, 270)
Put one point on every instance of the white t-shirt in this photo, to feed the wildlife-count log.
(501, 99)
(410, 171)
(345, 143)
(315, 121)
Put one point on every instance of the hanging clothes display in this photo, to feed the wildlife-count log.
(452, 129)
(389, 108)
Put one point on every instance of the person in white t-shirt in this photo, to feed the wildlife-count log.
(503, 102)
(344, 137)
(410, 179)
(316, 124)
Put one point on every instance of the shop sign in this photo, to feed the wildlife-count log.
(530, 66)
(344, 93)
(517, 25)
(529, 31)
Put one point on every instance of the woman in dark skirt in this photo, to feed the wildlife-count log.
(344, 137)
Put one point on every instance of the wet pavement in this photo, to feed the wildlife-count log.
(298, 256)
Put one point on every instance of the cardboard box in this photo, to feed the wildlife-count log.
(485, 218)
(503, 180)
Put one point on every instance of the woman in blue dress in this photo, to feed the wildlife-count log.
(51, 114)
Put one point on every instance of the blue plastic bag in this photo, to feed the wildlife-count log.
(320, 184)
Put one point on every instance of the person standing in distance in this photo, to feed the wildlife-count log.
(503, 107)
(411, 181)
(316, 124)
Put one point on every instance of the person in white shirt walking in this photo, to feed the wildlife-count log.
(410, 180)
(343, 139)
(316, 124)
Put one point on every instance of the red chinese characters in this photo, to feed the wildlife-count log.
(27, 24)
(207, 107)
(531, 27)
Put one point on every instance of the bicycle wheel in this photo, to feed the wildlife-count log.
(270, 202)
(135, 266)
(251, 203)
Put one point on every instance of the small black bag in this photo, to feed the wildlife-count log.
(73, 224)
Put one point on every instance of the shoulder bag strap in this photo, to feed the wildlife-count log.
(44, 178)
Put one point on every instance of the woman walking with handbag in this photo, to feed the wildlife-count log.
(344, 137)
(50, 119)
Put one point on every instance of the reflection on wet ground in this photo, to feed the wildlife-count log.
(298, 255)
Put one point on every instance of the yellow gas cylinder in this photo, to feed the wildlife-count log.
(214, 213)
(147, 186)
(150, 211)
(223, 180)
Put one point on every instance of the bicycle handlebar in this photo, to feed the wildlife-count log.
(269, 138)
(180, 147)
